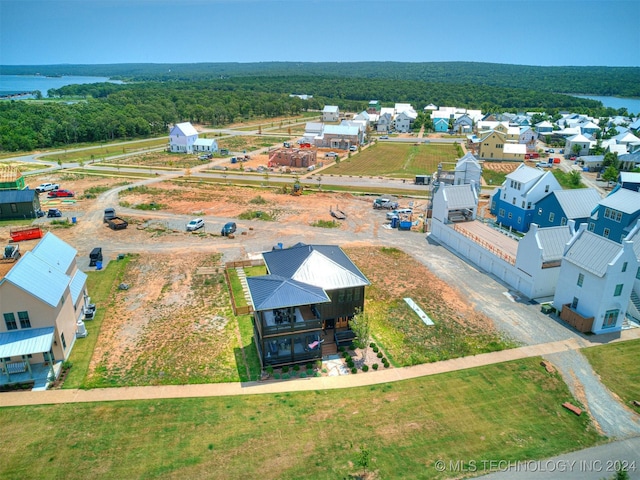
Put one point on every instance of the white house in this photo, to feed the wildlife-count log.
(468, 172)
(580, 143)
(182, 137)
(404, 120)
(205, 145)
(330, 113)
(596, 280)
(384, 123)
(312, 130)
(43, 300)
(452, 203)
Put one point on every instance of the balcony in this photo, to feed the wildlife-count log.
(275, 322)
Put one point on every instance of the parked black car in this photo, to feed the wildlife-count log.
(54, 212)
(228, 229)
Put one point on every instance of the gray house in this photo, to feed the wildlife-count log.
(19, 204)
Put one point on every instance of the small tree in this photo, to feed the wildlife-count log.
(364, 459)
(361, 326)
(576, 149)
(575, 178)
(610, 174)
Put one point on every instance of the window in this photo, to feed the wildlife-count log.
(14, 208)
(574, 303)
(523, 204)
(580, 279)
(501, 213)
(341, 296)
(510, 215)
(592, 226)
(638, 274)
(546, 189)
(605, 233)
(513, 202)
(493, 205)
(528, 205)
(350, 295)
(10, 321)
(539, 211)
(610, 318)
(563, 221)
(552, 217)
(612, 214)
(24, 320)
(618, 290)
(64, 344)
(624, 266)
(356, 294)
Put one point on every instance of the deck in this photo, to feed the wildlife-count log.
(39, 376)
(490, 239)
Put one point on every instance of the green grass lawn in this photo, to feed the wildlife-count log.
(510, 411)
(493, 178)
(619, 369)
(100, 285)
(395, 160)
(104, 151)
(568, 181)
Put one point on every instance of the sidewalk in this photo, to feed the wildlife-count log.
(12, 399)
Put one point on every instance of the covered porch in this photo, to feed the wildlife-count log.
(17, 349)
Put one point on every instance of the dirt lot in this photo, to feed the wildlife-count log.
(173, 325)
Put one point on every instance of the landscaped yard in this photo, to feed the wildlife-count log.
(458, 331)
(510, 411)
(618, 367)
(395, 160)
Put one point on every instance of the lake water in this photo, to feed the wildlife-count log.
(631, 104)
(12, 84)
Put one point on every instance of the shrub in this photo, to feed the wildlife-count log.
(345, 354)
(303, 375)
(380, 355)
(341, 349)
(269, 370)
(285, 376)
(365, 368)
(309, 372)
(350, 364)
(276, 376)
(372, 345)
(376, 349)
(285, 369)
(296, 368)
(374, 366)
(309, 366)
(386, 365)
(354, 370)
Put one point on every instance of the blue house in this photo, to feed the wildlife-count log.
(441, 124)
(560, 206)
(514, 203)
(630, 181)
(616, 214)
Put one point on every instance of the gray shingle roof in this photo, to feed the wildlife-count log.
(593, 253)
(577, 203)
(272, 291)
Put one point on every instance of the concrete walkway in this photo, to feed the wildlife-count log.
(11, 399)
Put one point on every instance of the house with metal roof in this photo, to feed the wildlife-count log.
(616, 214)
(578, 144)
(182, 136)
(303, 306)
(540, 255)
(597, 277)
(205, 145)
(339, 137)
(454, 203)
(633, 309)
(43, 299)
(514, 202)
(561, 206)
(330, 113)
(19, 204)
(440, 124)
(630, 180)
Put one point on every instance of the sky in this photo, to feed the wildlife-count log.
(525, 32)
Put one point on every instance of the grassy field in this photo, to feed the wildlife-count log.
(568, 181)
(619, 369)
(510, 411)
(395, 160)
(100, 284)
(250, 143)
(458, 331)
(104, 151)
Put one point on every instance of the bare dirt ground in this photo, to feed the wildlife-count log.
(174, 325)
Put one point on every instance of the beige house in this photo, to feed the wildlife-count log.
(496, 145)
(43, 299)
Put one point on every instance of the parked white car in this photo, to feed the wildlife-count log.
(397, 213)
(195, 224)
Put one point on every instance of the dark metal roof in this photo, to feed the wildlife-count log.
(325, 266)
(273, 291)
(17, 196)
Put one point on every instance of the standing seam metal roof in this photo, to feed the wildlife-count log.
(272, 291)
(40, 279)
(26, 341)
(577, 203)
(593, 253)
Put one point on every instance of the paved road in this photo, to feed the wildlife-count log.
(593, 463)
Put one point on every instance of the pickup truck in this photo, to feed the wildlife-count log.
(384, 203)
(47, 187)
(114, 222)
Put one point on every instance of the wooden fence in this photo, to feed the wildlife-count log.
(577, 321)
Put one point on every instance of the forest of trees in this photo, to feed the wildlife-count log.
(152, 100)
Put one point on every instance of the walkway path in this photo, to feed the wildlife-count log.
(318, 383)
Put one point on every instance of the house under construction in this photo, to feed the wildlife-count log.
(292, 157)
(11, 178)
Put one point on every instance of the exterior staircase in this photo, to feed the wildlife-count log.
(329, 349)
(633, 311)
